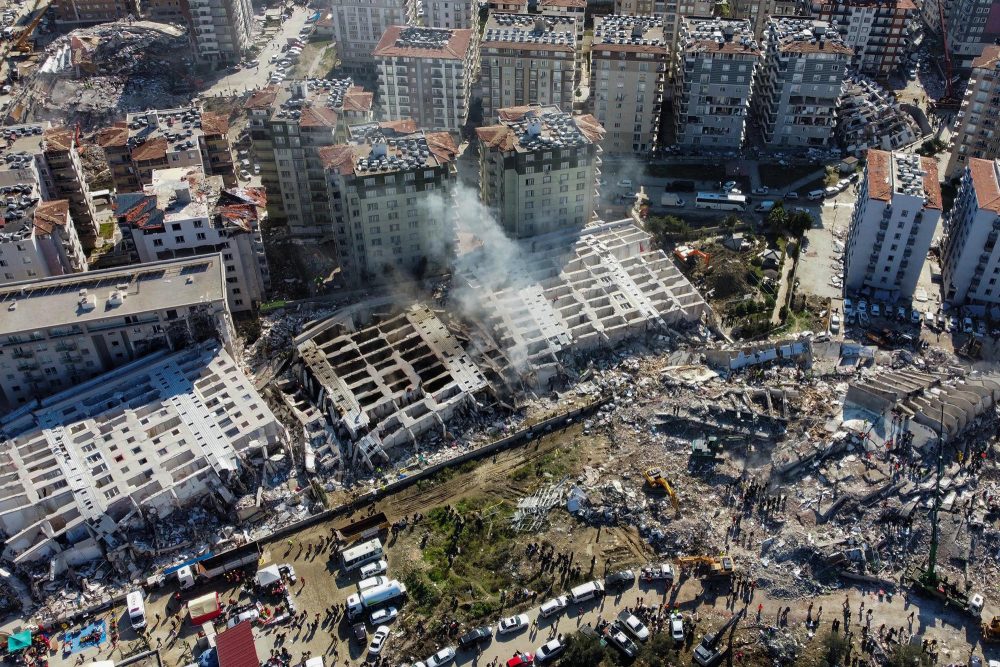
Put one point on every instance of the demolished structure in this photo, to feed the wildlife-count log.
(868, 116)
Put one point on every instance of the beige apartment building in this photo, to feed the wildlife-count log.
(538, 169)
(576, 9)
(426, 74)
(527, 59)
(462, 14)
(628, 68)
(62, 178)
(877, 30)
(977, 130)
(390, 197)
(358, 25)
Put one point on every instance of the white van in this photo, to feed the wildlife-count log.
(585, 592)
(816, 195)
(136, 610)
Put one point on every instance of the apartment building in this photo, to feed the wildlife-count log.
(898, 207)
(58, 332)
(358, 26)
(799, 83)
(62, 178)
(538, 169)
(715, 66)
(156, 437)
(970, 259)
(289, 124)
(87, 12)
(460, 14)
(167, 11)
(391, 198)
(184, 213)
(759, 12)
(976, 132)
(629, 56)
(221, 30)
(877, 30)
(165, 138)
(576, 9)
(671, 11)
(527, 59)
(973, 25)
(426, 74)
(40, 241)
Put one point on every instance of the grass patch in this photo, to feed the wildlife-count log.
(555, 463)
(107, 230)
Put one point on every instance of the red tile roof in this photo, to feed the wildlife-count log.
(984, 180)
(582, 4)
(114, 136)
(339, 158)
(153, 149)
(932, 183)
(403, 125)
(356, 99)
(263, 98)
(500, 137)
(456, 48)
(236, 647)
(442, 146)
(318, 116)
(879, 175)
(214, 124)
(51, 214)
(58, 138)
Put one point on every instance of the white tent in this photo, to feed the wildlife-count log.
(268, 575)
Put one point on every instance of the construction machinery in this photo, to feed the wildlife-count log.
(24, 45)
(654, 478)
(949, 102)
(689, 255)
(991, 630)
(708, 566)
(708, 653)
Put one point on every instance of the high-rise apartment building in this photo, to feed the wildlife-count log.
(40, 242)
(759, 12)
(527, 59)
(390, 195)
(463, 14)
(715, 66)
(165, 138)
(877, 30)
(221, 30)
(671, 11)
(970, 258)
(799, 83)
(976, 132)
(63, 178)
(358, 25)
(576, 9)
(628, 67)
(183, 213)
(86, 12)
(426, 74)
(898, 207)
(973, 25)
(288, 126)
(538, 169)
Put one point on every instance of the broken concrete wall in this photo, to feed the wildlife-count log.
(799, 350)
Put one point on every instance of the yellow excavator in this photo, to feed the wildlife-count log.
(654, 478)
(710, 566)
(991, 630)
(24, 45)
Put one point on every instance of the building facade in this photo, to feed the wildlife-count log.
(714, 73)
(527, 59)
(221, 30)
(58, 332)
(970, 259)
(390, 194)
(975, 133)
(576, 9)
(461, 14)
(63, 178)
(538, 169)
(898, 207)
(426, 74)
(39, 243)
(358, 25)
(973, 25)
(877, 30)
(799, 83)
(629, 56)
(184, 213)
(87, 12)
(288, 126)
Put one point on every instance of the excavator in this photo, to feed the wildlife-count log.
(710, 566)
(654, 478)
(24, 45)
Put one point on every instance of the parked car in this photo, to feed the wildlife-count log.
(901, 312)
(762, 190)
(378, 640)
(915, 316)
(967, 325)
(474, 637)
(442, 657)
(620, 641)
(791, 196)
(862, 306)
(549, 651)
(513, 624)
(876, 310)
(383, 616)
(848, 308)
(633, 626)
(553, 606)
(618, 580)
(677, 627)
(374, 569)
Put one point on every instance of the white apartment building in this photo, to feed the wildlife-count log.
(671, 11)
(39, 243)
(527, 59)
(221, 30)
(538, 169)
(976, 128)
(358, 25)
(877, 30)
(714, 73)
(576, 9)
(426, 74)
(390, 196)
(462, 14)
(970, 259)
(628, 67)
(58, 332)
(898, 207)
(185, 213)
(972, 26)
(799, 83)
(134, 444)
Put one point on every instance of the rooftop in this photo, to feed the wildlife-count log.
(705, 35)
(793, 35)
(155, 133)
(903, 174)
(34, 305)
(989, 58)
(379, 148)
(573, 4)
(312, 102)
(530, 31)
(420, 42)
(21, 144)
(985, 176)
(629, 33)
(532, 128)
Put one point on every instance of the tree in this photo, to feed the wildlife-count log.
(909, 655)
(836, 648)
(731, 222)
(777, 216)
(797, 222)
(583, 651)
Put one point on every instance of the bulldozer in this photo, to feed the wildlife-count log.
(654, 478)
(708, 566)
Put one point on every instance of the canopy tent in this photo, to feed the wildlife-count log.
(268, 575)
(19, 641)
(204, 608)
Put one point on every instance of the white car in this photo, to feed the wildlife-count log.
(876, 310)
(848, 307)
(863, 306)
(248, 615)
(834, 323)
(513, 624)
(633, 626)
(371, 582)
(729, 186)
(967, 325)
(553, 606)
(373, 569)
(549, 651)
(677, 627)
(378, 640)
(442, 657)
(383, 616)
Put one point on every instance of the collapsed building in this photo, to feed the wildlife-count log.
(870, 117)
(127, 448)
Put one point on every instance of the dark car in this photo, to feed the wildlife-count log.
(475, 637)
(619, 580)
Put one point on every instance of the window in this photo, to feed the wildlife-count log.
(157, 243)
(201, 236)
(178, 239)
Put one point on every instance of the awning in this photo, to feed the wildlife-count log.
(19, 641)
(268, 575)
(204, 608)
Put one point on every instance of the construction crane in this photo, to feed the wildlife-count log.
(23, 44)
(654, 477)
(948, 101)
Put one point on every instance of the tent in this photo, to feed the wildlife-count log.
(204, 608)
(19, 641)
(268, 575)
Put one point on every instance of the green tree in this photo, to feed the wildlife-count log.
(730, 223)
(797, 222)
(909, 655)
(583, 651)
(777, 216)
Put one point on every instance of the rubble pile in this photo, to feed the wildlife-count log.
(868, 116)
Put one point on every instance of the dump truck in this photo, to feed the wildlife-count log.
(359, 603)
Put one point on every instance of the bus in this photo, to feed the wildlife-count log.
(366, 552)
(721, 202)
